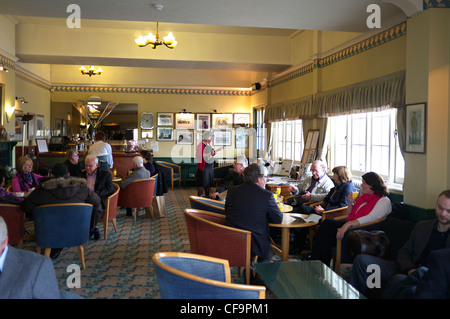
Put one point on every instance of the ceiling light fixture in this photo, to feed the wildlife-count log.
(154, 41)
(92, 71)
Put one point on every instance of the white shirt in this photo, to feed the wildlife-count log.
(381, 209)
(3, 257)
(100, 148)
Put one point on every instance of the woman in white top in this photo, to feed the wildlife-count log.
(371, 205)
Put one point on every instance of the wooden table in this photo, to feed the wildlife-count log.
(288, 223)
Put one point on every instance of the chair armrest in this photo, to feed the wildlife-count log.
(337, 213)
(313, 204)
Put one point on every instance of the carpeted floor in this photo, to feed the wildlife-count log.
(121, 266)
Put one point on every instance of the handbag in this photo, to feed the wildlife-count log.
(374, 243)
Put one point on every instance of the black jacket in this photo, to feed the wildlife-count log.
(103, 185)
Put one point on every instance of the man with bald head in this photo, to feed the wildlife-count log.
(139, 172)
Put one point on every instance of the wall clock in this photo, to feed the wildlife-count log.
(147, 121)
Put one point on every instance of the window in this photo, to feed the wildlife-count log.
(260, 131)
(367, 142)
(288, 140)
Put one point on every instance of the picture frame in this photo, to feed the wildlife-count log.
(241, 119)
(241, 138)
(222, 121)
(222, 138)
(185, 137)
(164, 134)
(416, 119)
(18, 125)
(42, 145)
(39, 126)
(203, 121)
(185, 121)
(164, 119)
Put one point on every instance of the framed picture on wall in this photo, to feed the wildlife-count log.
(18, 125)
(222, 121)
(39, 126)
(416, 117)
(185, 120)
(164, 133)
(241, 119)
(185, 137)
(203, 121)
(241, 138)
(31, 130)
(165, 119)
(222, 138)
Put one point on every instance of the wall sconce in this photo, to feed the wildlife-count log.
(3, 68)
(9, 110)
(21, 99)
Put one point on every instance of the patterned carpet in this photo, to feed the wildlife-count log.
(121, 266)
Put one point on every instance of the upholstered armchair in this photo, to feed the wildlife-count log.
(170, 170)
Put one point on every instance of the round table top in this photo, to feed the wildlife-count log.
(287, 208)
(290, 222)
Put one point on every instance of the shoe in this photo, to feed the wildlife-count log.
(96, 233)
(129, 212)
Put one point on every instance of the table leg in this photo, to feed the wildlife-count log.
(285, 243)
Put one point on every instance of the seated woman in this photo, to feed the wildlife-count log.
(338, 195)
(148, 161)
(5, 196)
(25, 179)
(372, 205)
(72, 163)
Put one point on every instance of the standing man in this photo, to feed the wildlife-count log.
(139, 172)
(251, 207)
(412, 259)
(101, 148)
(313, 188)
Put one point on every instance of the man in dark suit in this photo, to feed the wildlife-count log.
(99, 181)
(436, 282)
(25, 274)
(251, 207)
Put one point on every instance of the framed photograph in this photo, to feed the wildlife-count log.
(42, 145)
(146, 133)
(185, 121)
(18, 125)
(222, 138)
(185, 137)
(222, 121)
(39, 126)
(241, 138)
(164, 133)
(416, 119)
(241, 119)
(165, 119)
(203, 121)
(31, 130)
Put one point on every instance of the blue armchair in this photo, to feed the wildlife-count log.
(62, 225)
(208, 204)
(170, 170)
(191, 276)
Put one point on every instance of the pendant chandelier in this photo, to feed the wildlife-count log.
(92, 71)
(154, 41)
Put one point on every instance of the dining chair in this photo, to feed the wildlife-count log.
(375, 225)
(209, 236)
(61, 226)
(171, 170)
(193, 276)
(138, 194)
(208, 204)
(110, 211)
(15, 219)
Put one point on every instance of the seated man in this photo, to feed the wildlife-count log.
(25, 274)
(313, 188)
(62, 189)
(234, 178)
(406, 272)
(139, 172)
(99, 181)
(251, 207)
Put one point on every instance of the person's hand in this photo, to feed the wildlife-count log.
(306, 196)
(292, 188)
(319, 209)
(214, 195)
(341, 231)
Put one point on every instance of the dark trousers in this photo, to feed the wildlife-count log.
(325, 240)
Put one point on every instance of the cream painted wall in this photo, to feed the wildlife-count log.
(427, 80)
